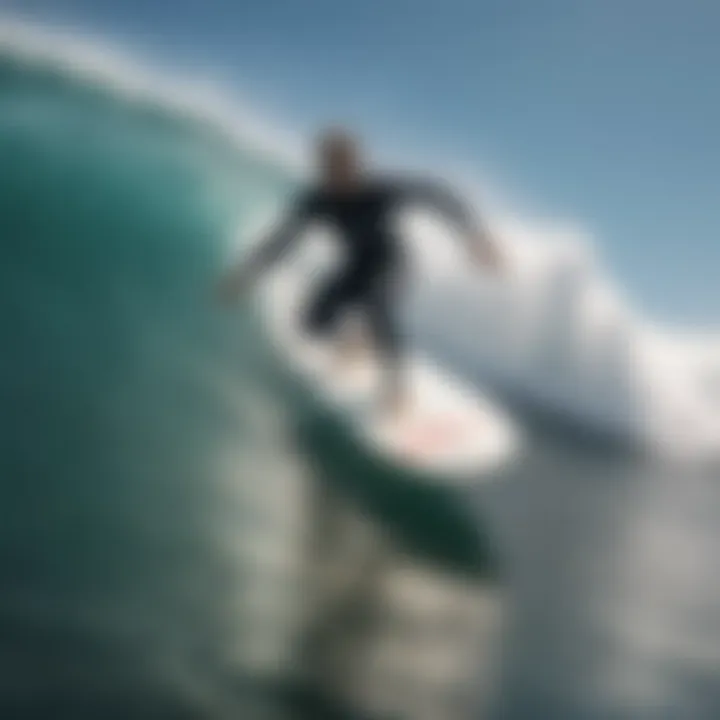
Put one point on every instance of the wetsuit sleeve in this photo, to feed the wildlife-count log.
(284, 235)
(441, 198)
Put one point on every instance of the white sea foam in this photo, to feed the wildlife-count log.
(561, 332)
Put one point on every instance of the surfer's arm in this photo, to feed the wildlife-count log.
(268, 251)
(272, 248)
(446, 202)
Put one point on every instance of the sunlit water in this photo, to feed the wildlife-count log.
(174, 519)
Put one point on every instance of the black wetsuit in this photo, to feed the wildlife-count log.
(370, 273)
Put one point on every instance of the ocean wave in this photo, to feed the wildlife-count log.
(558, 330)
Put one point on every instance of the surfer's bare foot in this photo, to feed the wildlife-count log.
(350, 351)
(394, 405)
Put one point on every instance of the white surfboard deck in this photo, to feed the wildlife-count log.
(446, 430)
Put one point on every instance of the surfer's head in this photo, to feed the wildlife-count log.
(339, 158)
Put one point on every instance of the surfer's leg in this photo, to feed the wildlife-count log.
(380, 305)
(320, 317)
(338, 295)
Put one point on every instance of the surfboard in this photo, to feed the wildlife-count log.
(446, 428)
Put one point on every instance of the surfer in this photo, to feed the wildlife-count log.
(360, 206)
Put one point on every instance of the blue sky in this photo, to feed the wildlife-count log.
(606, 112)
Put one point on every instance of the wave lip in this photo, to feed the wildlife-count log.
(101, 64)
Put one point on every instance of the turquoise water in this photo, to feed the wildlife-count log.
(164, 498)
(121, 387)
